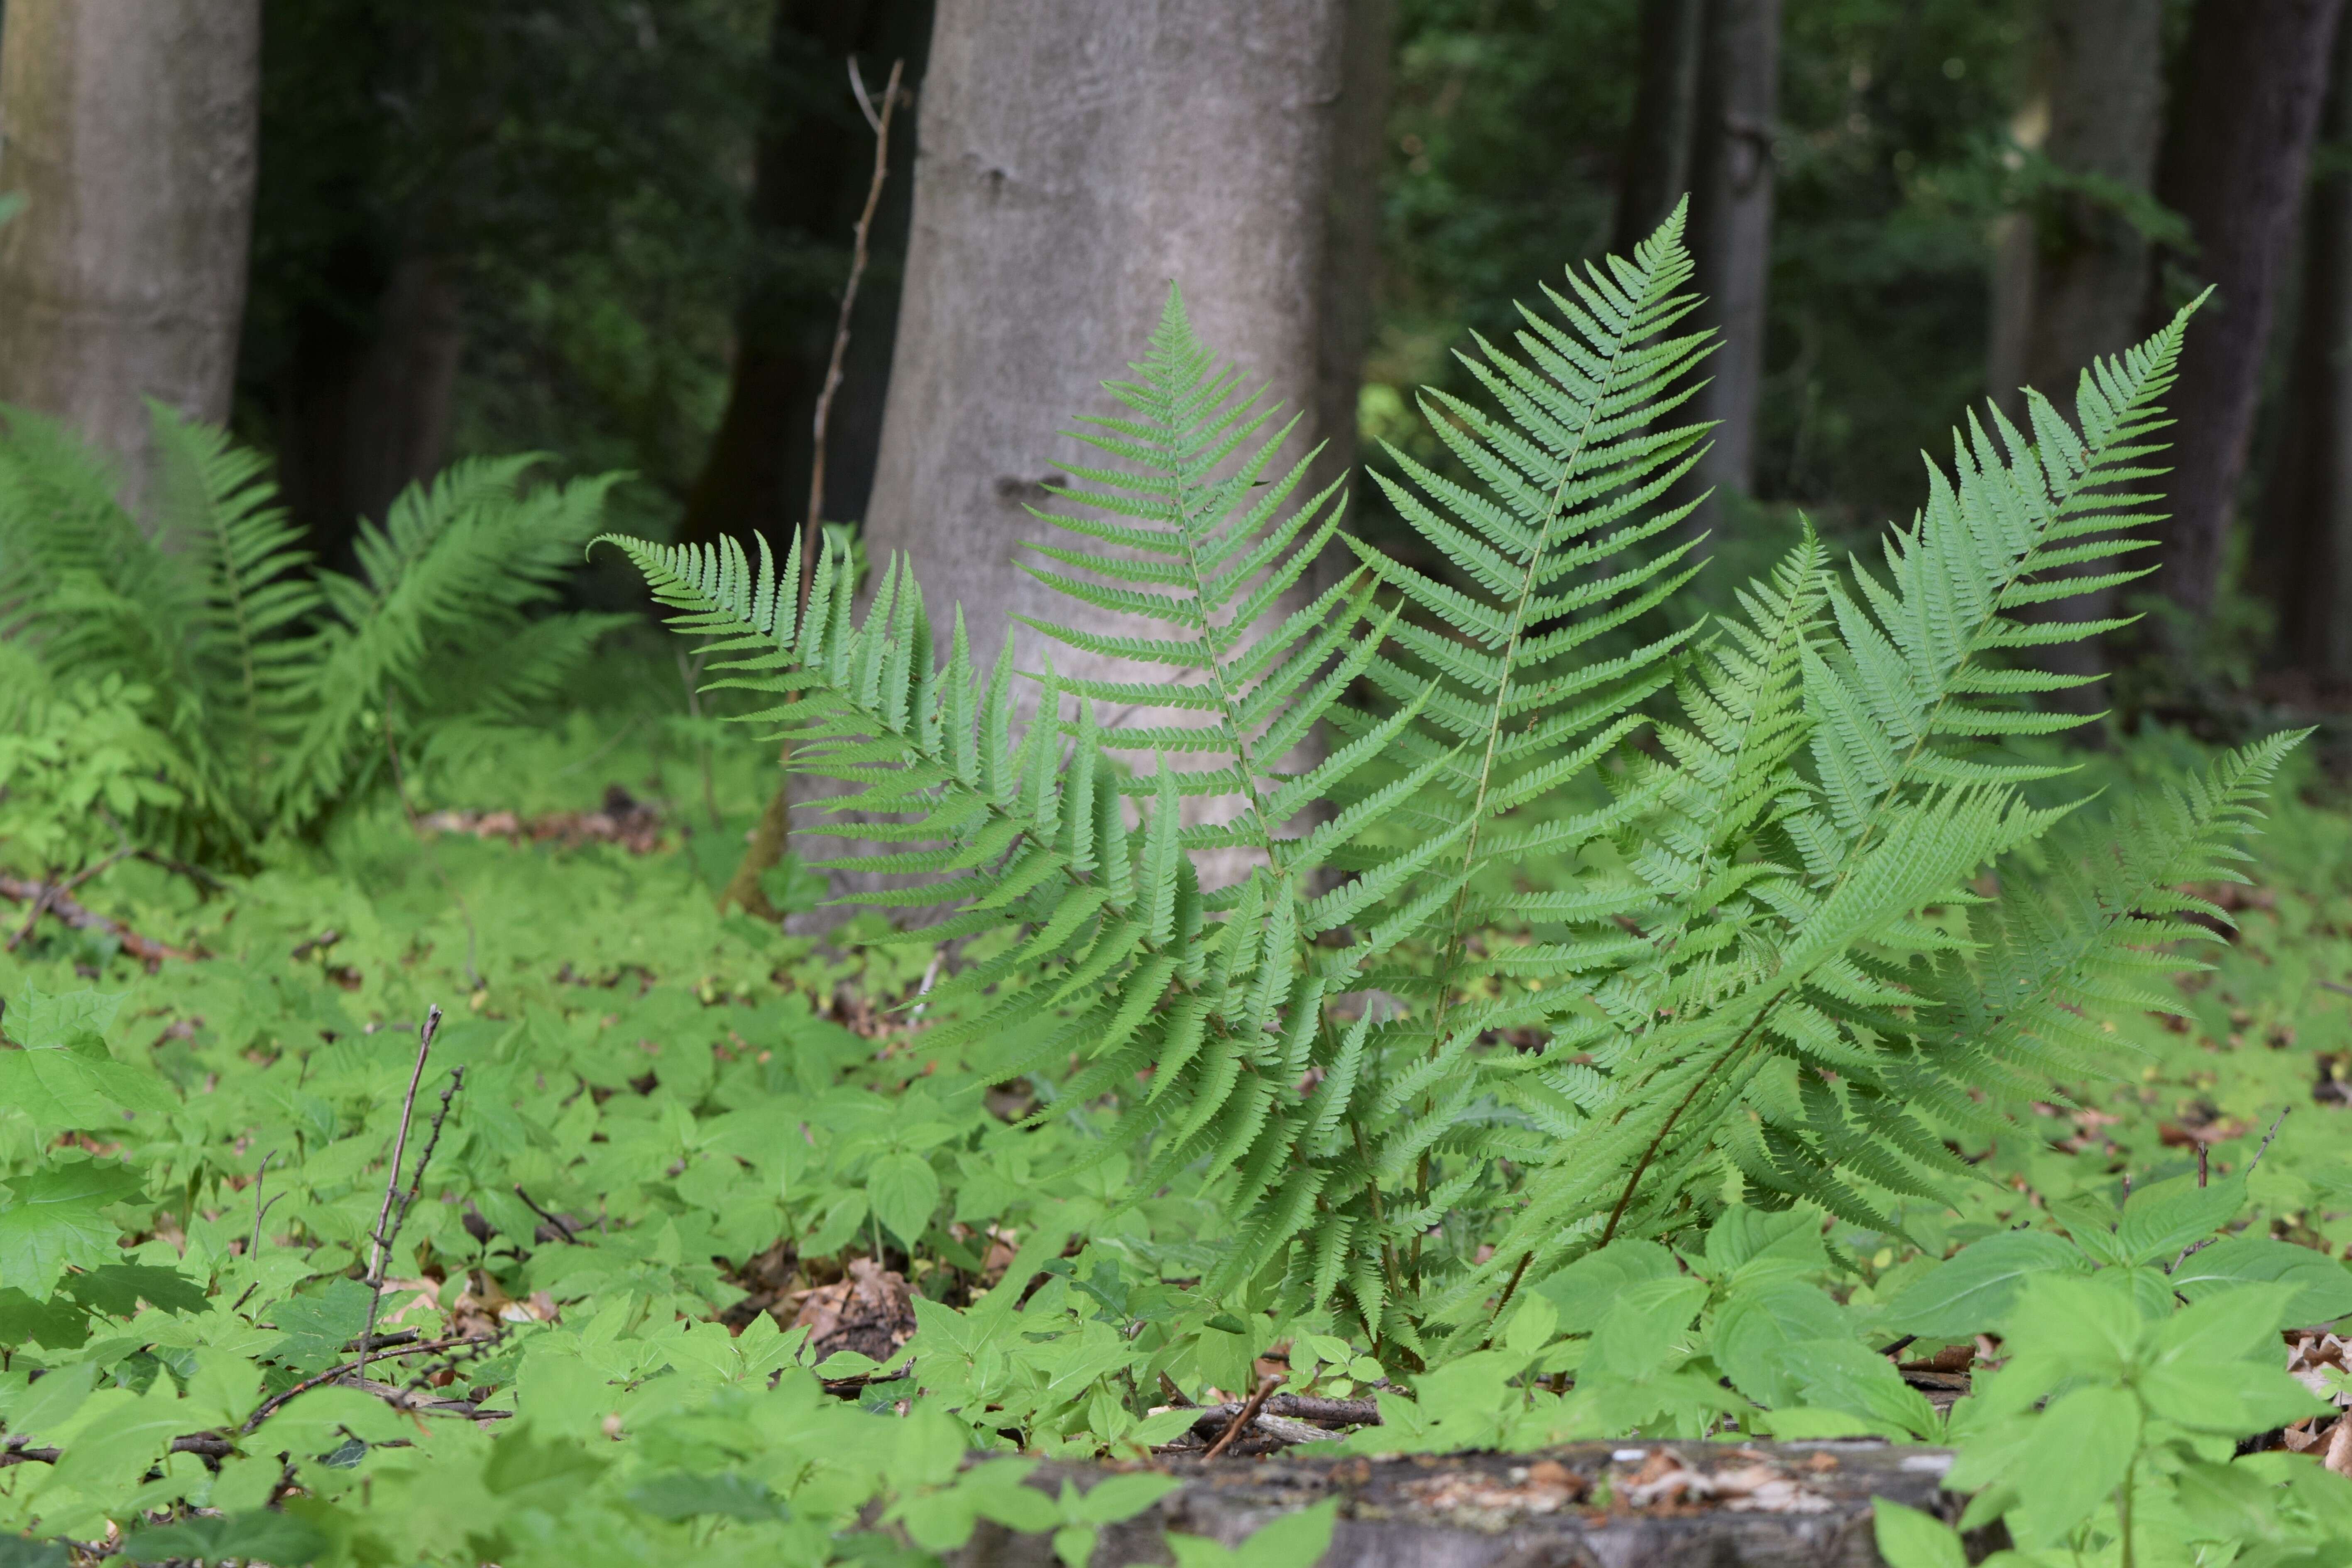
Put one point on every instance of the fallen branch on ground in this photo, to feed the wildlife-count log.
(51, 898)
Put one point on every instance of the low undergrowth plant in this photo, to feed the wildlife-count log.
(196, 682)
(1780, 962)
(1709, 1090)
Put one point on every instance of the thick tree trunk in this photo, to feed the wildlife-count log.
(1075, 155)
(1731, 223)
(2246, 108)
(2301, 548)
(128, 127)
(2087, 262)
(810, 173)
(1657, 170)
(366, 407)
(2073, 268)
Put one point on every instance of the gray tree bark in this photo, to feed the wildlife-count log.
(2246, 109)
(2071, 270)
(128, 127)
(2085, 263)
(1075, 156)
(1731, 224)
(2302, 555)
(1657, 170)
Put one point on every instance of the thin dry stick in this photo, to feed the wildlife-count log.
(773, 837)
(263, 1411)
(556, 1220)
(858, 259)
(1248, 1414)
(432, 1141)
(259, 1208)
(383, 1233)
(2266, 1141)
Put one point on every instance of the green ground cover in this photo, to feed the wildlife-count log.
(719, 1116)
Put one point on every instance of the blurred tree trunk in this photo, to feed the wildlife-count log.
(2301, 546)
(366, 404)
(2070, 268)
(1657, 167)
(1077, 155)
(810, 173)
(2085, 261)
(1731, 225)
(128, 129)
(2245, 109)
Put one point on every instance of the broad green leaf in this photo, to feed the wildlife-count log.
(904, 1191)
(258, 1537)
(2161, 1220)
(116, 1449)
(54, 1219)
(1584, 1290)
(1971, 1292)
(1909, 1539)
(725, 1495)
(1758, 1322)
(319, 1323)
(116, 1288)
(1117, 1498)
(64, 1076)
(2070, 1466)
(2325, 1284)
(1642, 1332)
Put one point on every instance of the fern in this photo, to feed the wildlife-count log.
(1774, 963)
(265, 680)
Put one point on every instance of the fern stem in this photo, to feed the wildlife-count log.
(1450, 957)
(1244, 760)
(1658, 1141)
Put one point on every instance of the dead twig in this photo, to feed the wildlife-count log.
(773, 837)
(858, 259)
(387, 1228)
(253, 1247)
(554, 1219)
(2266, 1141)
(1241, 1423)
(48, 898)
(270, 1406)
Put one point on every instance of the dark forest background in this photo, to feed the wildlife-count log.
(617, 231)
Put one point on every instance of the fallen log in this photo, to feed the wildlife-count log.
(1627, 1505)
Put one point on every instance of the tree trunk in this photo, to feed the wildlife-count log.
(810, 172)
(2246, 106)
(2088, 262)
(366, 407)
(1075, 155)
(1731, 224)
(2072, 267)
(129, 129)
(1657, 170)
(2301, 548)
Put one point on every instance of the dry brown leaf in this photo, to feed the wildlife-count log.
(871, 1312)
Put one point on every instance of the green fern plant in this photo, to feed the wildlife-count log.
(269, 690)
(1774, 963)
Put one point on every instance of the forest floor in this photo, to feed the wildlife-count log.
(671, 1118)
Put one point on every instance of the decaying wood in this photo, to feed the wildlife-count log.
(1633, 1505)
